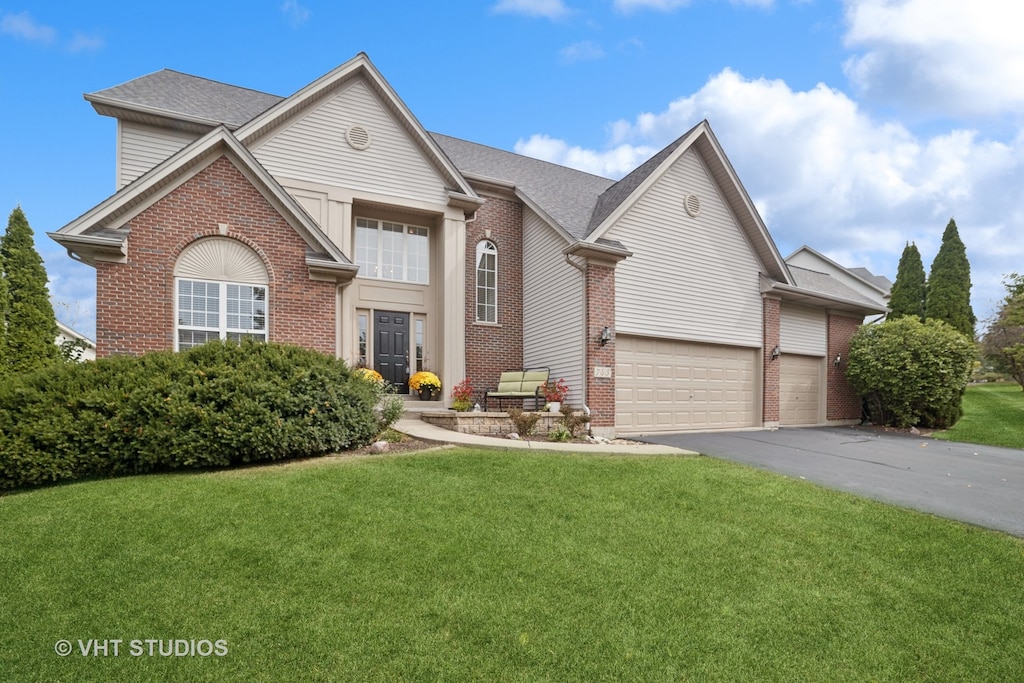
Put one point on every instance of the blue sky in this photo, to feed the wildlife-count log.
(855, 126)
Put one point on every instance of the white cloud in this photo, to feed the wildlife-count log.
(24, 26)
(295, 13)
(628, 6)
(824, 173)
(656, 5)
(81, 42)
(581, 52)
(551, 9)
(961, 57)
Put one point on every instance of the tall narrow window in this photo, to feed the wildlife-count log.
(420, 326)
(486, 282)
(364, 330)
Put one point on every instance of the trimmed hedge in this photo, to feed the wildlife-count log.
(215, 405)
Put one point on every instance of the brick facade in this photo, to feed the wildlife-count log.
(770, 402)
(135, 300)
(843, 403)
(492, 348)
(600, 297)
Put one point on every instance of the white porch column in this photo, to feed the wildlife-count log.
(453, 294)
(339, 230)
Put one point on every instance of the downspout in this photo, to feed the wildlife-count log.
(583, 272)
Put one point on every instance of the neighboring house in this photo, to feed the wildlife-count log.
(332, 219)
(874, 288)
(87, 349)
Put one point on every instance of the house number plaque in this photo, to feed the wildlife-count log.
(602, 371)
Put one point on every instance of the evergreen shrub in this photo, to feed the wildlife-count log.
(215, 405)
(911, 373)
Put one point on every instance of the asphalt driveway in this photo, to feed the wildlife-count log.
(981, 485)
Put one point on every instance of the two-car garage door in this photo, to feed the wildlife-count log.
(669, 385)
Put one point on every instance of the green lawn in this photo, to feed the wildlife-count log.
(501, 566)
(993, 415)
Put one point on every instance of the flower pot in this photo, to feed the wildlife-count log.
(554, 406)
(428, 394)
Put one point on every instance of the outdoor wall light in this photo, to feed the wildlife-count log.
(776, 352)
(606, 335)
(837, 361)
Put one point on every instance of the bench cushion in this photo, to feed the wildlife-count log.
(534, 380)
(510, 382)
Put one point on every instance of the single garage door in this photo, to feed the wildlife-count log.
(666, 385)
(800, 389)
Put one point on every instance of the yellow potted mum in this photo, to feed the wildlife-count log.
(427, 384)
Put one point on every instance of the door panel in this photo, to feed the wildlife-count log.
(664, 385)
(800, 389)
(391, 351)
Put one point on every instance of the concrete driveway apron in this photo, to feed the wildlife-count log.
(981, 485)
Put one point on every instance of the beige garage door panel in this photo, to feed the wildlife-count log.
(800, 389)
(666, 385)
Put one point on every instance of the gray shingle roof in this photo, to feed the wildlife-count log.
(880, 281)
(620, 191)
(568, 196)
(191, 96)
(826, 284)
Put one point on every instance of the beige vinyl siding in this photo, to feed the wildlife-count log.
(689, 277)
(142, 147)
(552, 306)
(803, 330)
(314, 149)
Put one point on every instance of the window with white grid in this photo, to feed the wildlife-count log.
(219, 310)
(392, 251)
(486, 282)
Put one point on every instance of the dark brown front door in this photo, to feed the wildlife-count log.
(391, 352)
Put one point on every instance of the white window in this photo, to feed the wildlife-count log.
(486, 282)
(392, 251)
(220, 293)
(363, 319)
(219, 310)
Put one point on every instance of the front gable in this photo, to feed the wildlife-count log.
(694, 273)
(351, 140)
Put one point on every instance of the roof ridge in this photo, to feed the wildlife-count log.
(525, 156)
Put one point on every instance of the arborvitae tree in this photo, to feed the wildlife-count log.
(5, 307)
(908, 292)
(31, 324)
(949, 284)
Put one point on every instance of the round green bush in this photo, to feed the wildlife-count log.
(911, 373)
(215, 405)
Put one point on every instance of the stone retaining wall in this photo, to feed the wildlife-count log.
(485, 424)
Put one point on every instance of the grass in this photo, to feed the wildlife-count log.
(502, 566)
(993, 415)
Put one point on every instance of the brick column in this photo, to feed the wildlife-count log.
(600, 297)
(770, 335)
(843, 403)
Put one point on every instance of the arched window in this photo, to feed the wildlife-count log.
(220, 290)
(486, 282)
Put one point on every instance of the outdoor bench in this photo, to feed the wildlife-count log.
(519, 385)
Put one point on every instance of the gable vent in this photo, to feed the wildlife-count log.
(358, 137)
(692, 203)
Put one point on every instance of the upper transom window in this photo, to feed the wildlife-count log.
(392, 251)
